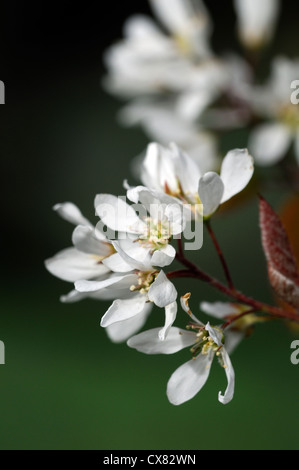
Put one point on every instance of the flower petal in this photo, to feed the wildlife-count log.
(163, 257)
(210, 191)
(85, 239)
(148, 342)
(122, 310)
(269, 143)
(256, 21)
(72, 265)
(189, 379)
(221, 309)
(170, 316)
(71, 213)
(134, 254)
(93, 286)
(117, 214)
(215, 333)
(230, 374)
(162, 292)
(122, 330)
(117, 264)
(236, 172)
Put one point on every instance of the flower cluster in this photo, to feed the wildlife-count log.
(124, 257)
(184, 97)
(180, 90)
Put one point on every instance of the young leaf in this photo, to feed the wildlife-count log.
(282, 267)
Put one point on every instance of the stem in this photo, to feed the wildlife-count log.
(197, 273)
(220, 254)
(237, 317)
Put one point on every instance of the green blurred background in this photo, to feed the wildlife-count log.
(64, 384)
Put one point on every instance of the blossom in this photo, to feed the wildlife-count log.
(143, 289)
(256, 21)
(270, 141)
(206, 341)
(173, 171)
(85, 258)
(84, 263)
(145, 237)
(149, 61)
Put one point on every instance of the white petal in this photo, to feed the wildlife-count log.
(121, 331)
(159, 168)
(175, 213)
(187, 171)
(170, 316)
(93, 286)
(134, 254)
(162, 292)
(155, 202)
(220, 309)
(215, 333)
(236, 172)
(72, 265)
(117, 214)
(210, 191)
(230, 374)
(71, 213)
(188, 379)
(163, 257)
(73, 296)
(256, 20)
(192, 103)
(269, 143)
(181, 17)
(140, 27)
(85, 239)
(122, 310)
(117, 264)
(148, 342)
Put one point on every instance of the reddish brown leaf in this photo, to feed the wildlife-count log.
(282, 267)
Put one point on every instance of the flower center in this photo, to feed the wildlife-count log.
(145, 280)
(289, 115)
(156, 234)
(204, 343)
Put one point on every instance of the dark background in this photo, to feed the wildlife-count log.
(64, 384)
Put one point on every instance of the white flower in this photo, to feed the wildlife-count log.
(143, 288)
(188, 379)
(84, 263)
(85, 259)
(187, 21)
(149, 61)
(269, 142)
(145, 237)
(256, 21)
(173, 171)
